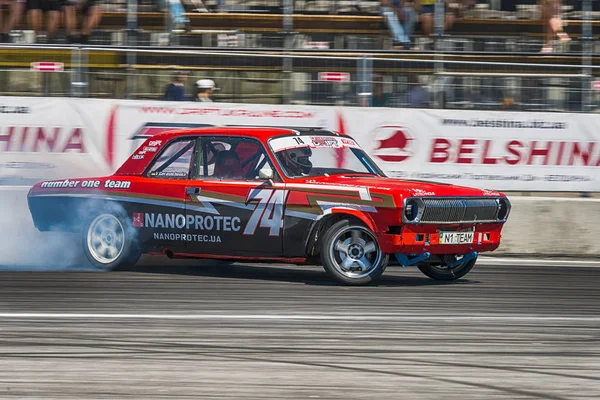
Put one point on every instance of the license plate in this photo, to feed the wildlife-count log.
(456, 237)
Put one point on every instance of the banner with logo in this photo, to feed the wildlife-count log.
(46, 138)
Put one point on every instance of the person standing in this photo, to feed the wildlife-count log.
(418, 94)
(204, 90)
(175, 90)
(380, 97)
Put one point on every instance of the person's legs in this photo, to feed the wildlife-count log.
(16, 12)
(53, 21)
(91, 20)
(70, 23)
(3, 28)
(398, 34)
(427, 24)
(34, 16)
(449, 21)
(410, 19)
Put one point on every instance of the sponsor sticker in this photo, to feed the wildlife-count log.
(291, 142)
(66, 184)
(112, 184)
(187, 237)
(172, 174)
(182, 221)
(324, 141)
(87, 183)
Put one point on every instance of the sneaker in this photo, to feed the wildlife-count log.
(73, 39)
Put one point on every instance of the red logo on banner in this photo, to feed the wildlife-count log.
(394, 143)
(138, 220)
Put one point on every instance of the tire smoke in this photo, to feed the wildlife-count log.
(23, 247)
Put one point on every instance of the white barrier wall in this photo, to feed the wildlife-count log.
(50, 138)
(548, 226)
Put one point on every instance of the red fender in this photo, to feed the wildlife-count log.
(366, 219)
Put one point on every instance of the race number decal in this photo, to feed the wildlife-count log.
(268, 211)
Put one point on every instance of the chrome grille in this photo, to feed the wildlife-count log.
(458, 210)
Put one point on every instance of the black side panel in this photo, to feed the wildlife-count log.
(61, 214)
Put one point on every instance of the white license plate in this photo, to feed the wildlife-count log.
(456, 237)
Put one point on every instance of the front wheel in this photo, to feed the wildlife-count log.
(351, 254)
(446, 273)
(108, 242)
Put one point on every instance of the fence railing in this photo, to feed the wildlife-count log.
(437, 80)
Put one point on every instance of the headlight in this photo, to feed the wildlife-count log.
(503, 209)
(411, 210)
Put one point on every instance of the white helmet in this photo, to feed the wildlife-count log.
(297, 161)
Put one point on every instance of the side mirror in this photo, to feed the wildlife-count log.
(266, 174)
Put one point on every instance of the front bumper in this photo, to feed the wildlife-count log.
(417, 239)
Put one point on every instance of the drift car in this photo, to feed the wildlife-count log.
(271, 195)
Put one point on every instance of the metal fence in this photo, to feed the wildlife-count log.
(308, 77)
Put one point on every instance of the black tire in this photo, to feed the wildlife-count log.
(444, 273)
(364, 267)
(110, 230)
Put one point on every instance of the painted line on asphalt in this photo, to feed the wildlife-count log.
(309, 317)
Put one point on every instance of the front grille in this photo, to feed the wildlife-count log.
(453, 210)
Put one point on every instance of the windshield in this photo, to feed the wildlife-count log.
(301, 156)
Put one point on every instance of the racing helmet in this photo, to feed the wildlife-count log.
(297, 161)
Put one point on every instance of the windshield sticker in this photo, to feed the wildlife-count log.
(170, 174)
(292, 142)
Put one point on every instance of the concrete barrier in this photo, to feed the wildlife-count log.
(548, 226)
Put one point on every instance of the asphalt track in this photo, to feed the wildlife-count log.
(181, 330)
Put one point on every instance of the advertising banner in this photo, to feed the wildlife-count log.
(46, 138)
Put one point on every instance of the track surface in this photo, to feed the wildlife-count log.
(273, 332)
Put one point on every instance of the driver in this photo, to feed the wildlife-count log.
(296, 161)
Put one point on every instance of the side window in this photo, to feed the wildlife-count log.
(174, 161)
(231, 158)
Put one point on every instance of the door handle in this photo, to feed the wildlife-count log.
(192, 190)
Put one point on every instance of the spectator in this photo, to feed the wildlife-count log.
(418, 94)
(380, 98)
(426, 11)
(400, 20)
(553, 26)
(16, 11)
(204, 90)
(35, 10)
(175, 90)
(89, 10)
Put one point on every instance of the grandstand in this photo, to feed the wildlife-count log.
(258, 51)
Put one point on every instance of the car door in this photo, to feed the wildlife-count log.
(230, 209)
(158, 212)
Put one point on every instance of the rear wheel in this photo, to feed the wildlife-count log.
(351, 254)
(108, 242)
(446, 273)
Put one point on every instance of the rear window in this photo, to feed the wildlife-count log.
(174, 161)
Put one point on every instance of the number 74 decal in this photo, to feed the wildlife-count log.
(268, 211)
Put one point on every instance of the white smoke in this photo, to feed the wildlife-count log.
(23, 247)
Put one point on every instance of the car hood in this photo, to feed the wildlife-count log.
(404, 188)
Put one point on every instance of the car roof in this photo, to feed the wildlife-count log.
(262, 133)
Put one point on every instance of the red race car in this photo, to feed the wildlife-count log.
(271, 195)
